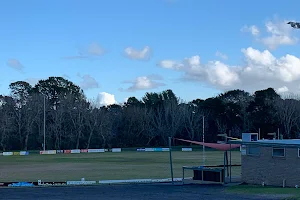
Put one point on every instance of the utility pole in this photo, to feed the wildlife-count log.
(171, 162)
(203, 147)
(44, 145)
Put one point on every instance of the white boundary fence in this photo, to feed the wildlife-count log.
(16, 153)
(77, 151)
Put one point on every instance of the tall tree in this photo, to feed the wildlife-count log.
(31, 112)
(71, 121)
(133, 101)
(236, 104)
(115, 113)
(6, 122)
(152, 99)
(57, 123)
(55, 87)
(77, 111)
(20, 92)
(288, 112)
(262, 111)
(192, 119)
(215, 119)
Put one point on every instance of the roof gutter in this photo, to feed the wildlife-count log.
(266, 144)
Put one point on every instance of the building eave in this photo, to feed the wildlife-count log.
(266, 144)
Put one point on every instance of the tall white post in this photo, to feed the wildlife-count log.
(171, 163)
(44, 145)
(203, 147)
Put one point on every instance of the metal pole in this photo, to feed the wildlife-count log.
(278, 134)
(224, 175)
(230, 156)
(44, 145)
(182, 175)
(203, 147)
(258, 133)
(171, 164)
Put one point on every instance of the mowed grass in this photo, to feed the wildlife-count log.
(106, 166)
(290, 193)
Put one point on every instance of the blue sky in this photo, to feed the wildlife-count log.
(126, 48)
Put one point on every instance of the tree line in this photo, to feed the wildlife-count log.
(74, 122)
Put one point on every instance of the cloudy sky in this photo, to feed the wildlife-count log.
(115, 49)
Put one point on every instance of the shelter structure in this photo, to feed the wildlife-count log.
(218, 146)
(205, 172)
(272, 162)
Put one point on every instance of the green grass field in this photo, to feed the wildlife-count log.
(292, 193)
(105, 166)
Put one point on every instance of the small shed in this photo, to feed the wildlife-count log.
(270, 162)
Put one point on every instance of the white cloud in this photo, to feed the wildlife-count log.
(260, 70)
(105, 99)
(220, 74)
(278, 33)
(15, 64)
(215, 72)
(95, 49)
(91, 51)
(170, 64)
(143, 54)
(285, 69)
(155, 77)
(145, 83)
(88, 82)
(252, 29)
(283, 89)
(221, 55)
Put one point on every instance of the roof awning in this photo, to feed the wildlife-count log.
(222, 147)
(269, 143)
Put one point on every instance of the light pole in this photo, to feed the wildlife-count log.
(203, 147)
(203, 139)
(44, 144)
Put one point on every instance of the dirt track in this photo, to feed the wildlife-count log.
(125, 192)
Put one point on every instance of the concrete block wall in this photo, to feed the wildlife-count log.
(271, 170)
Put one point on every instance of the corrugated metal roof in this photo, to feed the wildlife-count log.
(285, 141)
(282, 143)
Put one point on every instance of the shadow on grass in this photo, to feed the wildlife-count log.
(286, 193)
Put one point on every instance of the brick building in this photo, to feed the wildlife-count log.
(270, 162)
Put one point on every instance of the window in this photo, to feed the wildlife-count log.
(254, 137)
(253, 151)
(278, 152)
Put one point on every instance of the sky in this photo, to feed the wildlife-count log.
(115, 49)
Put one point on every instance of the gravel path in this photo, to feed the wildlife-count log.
(126, 192)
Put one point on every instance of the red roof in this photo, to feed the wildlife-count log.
(222, 147)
